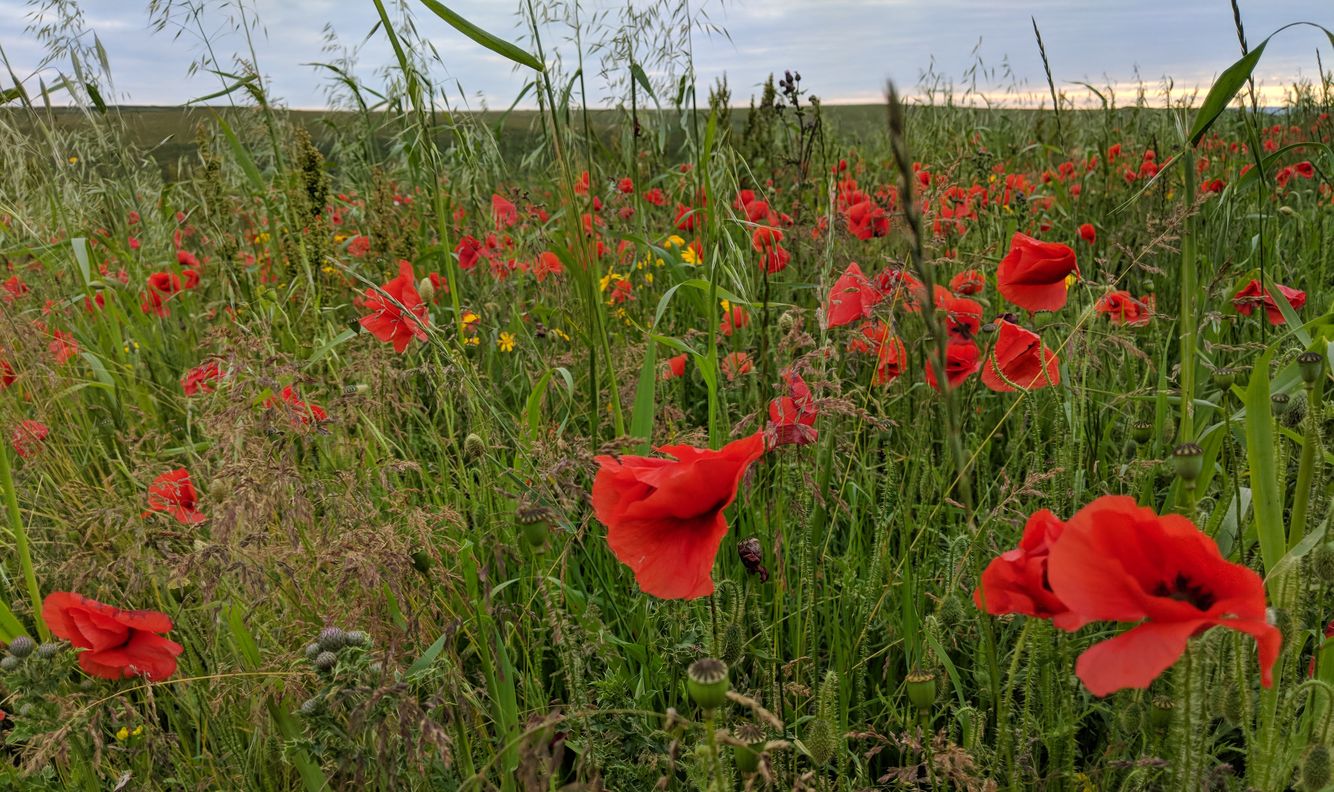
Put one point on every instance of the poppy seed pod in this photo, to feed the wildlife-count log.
(706, 681)
(921, 689)
(1224, 377)
(747, 754)
(1160, 711)
(534, 521)
(22, 646)
(1280, 402)
(1189, 461)
(1310, 365)
(1141, 432)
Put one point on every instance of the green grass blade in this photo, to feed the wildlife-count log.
(496, 45)
(1268, 501)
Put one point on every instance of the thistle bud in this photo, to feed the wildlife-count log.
(10, 663)
(48, 650)
(426, 289)
(1280, 402)
(357, 638)
(921, 689)
(1189, 461)
(1141, 432)
(309, 708)
(1310, 365)
(706, 681)
(313, 651)
(22, 646)
(331, 639)
(325, 661)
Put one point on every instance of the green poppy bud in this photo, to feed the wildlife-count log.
(426, 289)
(706, 680)
(1315, 767)
(473, 446)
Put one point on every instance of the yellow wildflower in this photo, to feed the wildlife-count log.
(506, 341)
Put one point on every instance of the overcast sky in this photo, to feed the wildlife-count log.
(844, 49)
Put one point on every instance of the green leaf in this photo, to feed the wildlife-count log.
(237, 85)
(10, 626)
(96, 96)
(641, 419)
(244, 642)
(424, 662)
(328, 346)
(496, 45)
(1268, 500)
(80, 245)
(637, 72)
(242, 156)
(1222, 92)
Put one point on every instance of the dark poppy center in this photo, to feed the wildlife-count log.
(1182, 589)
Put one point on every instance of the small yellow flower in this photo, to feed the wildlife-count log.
(674, 241)
(506, 341)
(991, 179)
(648, 277)
(474, 341)
(124, 733)
(727, 306)
(564, 336)
(688, 256)
(608, 279)
(338, 238)
(73, 160)
(1070, 280)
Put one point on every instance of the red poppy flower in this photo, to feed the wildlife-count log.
(119, 644)
(664, 517)
(963, 317)
(1246, 300)
(851, 298)
(1121, 308)
(1016, 581)
(674, 367)
(789, 424)
(14, 288)
(63, 346)
(734, 319)
(1088, 233)
(1032, 275)
(891, 356)
(174, 493)
(968, 282)
(359, 246)
(201, 378)
(389, 323)
(27, 437)
(1118, 561)
(866, 220)
(735, 364)
(1020, 361)
(962, 360)
(7, 375)
(300, 412)
(504, 211)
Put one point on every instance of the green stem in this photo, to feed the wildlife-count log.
(21, 542)
(1306, 466)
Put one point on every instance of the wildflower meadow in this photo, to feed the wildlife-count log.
(692, 440)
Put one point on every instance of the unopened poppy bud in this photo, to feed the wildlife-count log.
(1322, 561)
(706, 681)
(331, 639)
(1310, 365)
(733, 643)
(10, 663)
(1189, 460)
(426, 289)
(1280, 403)
(48, 650)
(1315, 767)
(1141, 432)
(359, 389)
(473, 446)
(22, 646)
(1160, 712)
(217, 489)
(786, 322)
(1224, 377)
(325, 661)
(921, 689)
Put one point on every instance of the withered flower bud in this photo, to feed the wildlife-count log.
(752, 557)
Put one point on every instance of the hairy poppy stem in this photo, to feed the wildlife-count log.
(21, 542)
